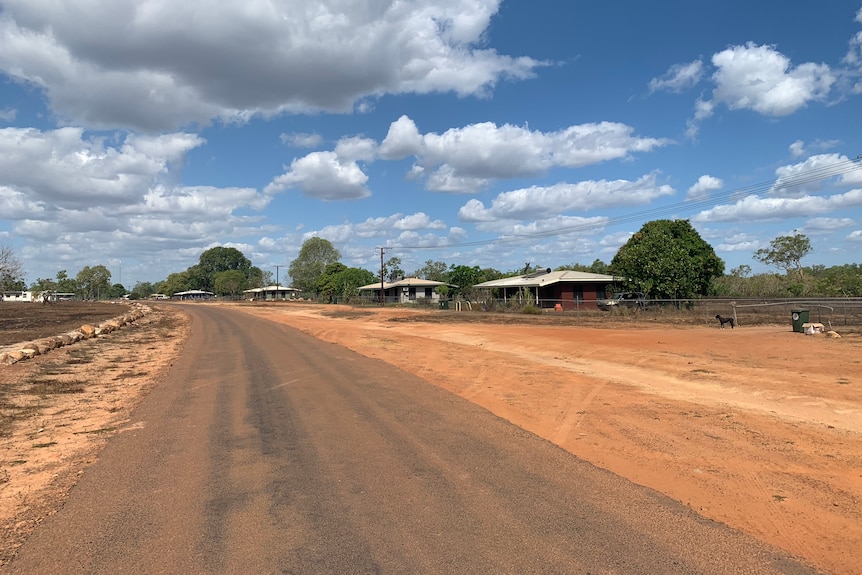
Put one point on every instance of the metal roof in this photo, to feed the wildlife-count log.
(270, 289)
(406, 282)
(543, 279)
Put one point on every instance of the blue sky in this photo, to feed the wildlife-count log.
(137, 134)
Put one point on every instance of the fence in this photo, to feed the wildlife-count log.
(832, 312)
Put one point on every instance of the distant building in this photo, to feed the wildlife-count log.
(31, 296)
(407, 290)
(193, 295)
(271, 293)
(569, 289)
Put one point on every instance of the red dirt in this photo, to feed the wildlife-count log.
(757, 427)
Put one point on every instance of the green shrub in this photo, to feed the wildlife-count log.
(531, 309)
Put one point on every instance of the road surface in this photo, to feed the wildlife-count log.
(265, 450)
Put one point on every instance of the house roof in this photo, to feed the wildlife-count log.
(406, 282)
(270, 288)
(547, 277)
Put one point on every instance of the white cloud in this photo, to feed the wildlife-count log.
(754, 208)
(678, 77)
(828, 224)
(798, 180)
(762, 79)
(546, 202)
(159, 65)
(408, 228)
(855, 236)
(8, 114)
(357, 148)
(302, 140)
(323, 175)
(64, 170)
(703, 186)
(79, 200)
(797, 148)
(468, 159)
(558, 226)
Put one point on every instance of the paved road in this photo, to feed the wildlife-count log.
(267, 451)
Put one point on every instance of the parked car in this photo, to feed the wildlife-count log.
(634, 299)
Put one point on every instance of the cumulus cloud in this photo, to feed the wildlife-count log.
(63, 169)
(755, 208)
(761, 78)
(678, 78)
(798, 180)
(323, 175)
(161, 65)
(79, 199)
(545, 202)
(704, 185)
(467, 159)
(828, 224)
(397, 229)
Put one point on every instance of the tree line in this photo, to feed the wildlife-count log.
(665, 259)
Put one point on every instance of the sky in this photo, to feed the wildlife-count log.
(138, 134)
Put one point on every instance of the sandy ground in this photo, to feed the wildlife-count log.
(759, 428)
(58, 411)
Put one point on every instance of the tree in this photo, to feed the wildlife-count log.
(315, 254)
(175, 282)
(11, 271)
(219, 259)
(392, 269)
(667, 259)
(65, 284)
(434, 271)
(143, 290)
(338, 280)
(465, 277)
(43, 285)
(230, 282)
(786, 252)
(117, 291)
(94, 282)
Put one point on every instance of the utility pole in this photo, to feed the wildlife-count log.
(274, 297)
(382, 290)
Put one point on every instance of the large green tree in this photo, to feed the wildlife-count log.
(786, 252)
(230, 282)
(94, 282)
(340, 281)
(667, 259)
(216, 260)
(315, 254)
(175, 282)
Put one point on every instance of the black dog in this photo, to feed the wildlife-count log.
(725, 320)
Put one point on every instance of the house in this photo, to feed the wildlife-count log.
(544, 288)
(194, 295)
(17, 296)
(271, 293)
(35, 296)
(406, 290)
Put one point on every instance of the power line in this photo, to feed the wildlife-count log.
(802, 178)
